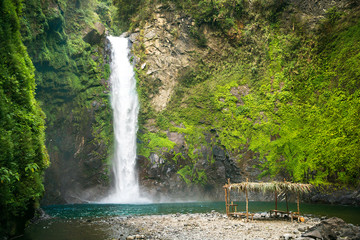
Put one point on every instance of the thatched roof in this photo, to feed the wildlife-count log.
(270, 187)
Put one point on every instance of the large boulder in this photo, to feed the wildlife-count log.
(333, 228)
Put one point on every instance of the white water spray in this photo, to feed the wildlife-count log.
(125, 104)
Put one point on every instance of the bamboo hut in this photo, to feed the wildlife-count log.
(275, 187)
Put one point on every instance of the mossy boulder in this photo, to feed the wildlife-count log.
(95, 35)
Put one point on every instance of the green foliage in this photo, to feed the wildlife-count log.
(333, 15)
(200, 177)
(153, 142)
(314, 142)
(23, 155)
(191, 77)
(31, 167)
(199, 36)
(7, 176)
(185, 173)
(192, 176)
(132, 13)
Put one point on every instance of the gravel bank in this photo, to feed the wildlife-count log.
(208, 226)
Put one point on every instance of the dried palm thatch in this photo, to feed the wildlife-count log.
(270, 187)
(277, 187)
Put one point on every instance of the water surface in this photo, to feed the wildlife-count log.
(348, 213)
(91, 222)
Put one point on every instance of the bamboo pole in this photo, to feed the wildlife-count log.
(247, 202)
(229, 193)
(286, 199)
(226, 202)
(298, 205)
(247, 205)
(275, 202)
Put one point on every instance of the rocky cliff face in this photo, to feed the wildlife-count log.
(165, 49)
(168, 52)
(185, 150)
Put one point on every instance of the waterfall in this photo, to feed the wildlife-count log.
(125, 105)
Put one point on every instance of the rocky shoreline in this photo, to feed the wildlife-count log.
(218, 226)
(350, 197)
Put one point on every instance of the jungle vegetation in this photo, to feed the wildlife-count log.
(23, 155)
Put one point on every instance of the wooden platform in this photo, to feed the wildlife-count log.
(240, 214)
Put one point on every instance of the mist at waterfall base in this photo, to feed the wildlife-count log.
(125, 105)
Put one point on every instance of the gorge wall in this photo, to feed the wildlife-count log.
(67, 43)
(232, 89)
(229, 90)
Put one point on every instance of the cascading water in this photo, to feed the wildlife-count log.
(125, 104)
